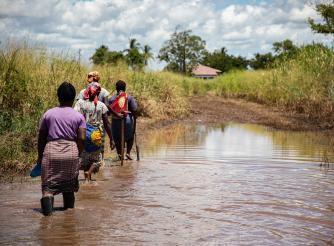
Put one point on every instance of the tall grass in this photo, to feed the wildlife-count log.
(29, 78)
(158, 94)
(303, 84)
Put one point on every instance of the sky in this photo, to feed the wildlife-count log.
(243, 27)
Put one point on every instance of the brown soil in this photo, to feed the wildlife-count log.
(218, 109)
(212, 110)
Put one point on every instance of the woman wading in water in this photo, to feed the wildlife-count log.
(95, 114)
(127, 112)
(60, 142)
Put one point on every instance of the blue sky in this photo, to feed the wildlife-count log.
(243, 27)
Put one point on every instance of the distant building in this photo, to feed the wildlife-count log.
(204, 72)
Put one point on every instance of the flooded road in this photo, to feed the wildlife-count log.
(195, 185)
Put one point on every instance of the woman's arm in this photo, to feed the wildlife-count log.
(81, 139)
(107, 126)
(42, 140)
(133, 107)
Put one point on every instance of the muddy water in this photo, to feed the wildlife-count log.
(195, 185)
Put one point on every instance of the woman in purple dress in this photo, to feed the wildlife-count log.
(60, 142)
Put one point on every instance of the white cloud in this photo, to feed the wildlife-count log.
(242, 28)
(302, 14)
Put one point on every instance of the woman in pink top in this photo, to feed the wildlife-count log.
(60, 142)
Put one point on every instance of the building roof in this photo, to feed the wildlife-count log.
(204, 70)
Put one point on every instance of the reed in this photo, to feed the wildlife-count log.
(303, 84)
(29, 77)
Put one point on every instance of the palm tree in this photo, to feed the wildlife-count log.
(133, 56)
(134, 44)
(147, 54)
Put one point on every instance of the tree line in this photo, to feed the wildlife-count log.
(135, 56)
(184, 50)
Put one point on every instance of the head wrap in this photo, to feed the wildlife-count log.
(91, 74)
(93, 91)
(96, 73)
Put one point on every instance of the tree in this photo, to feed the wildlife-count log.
(100, 55)
(134, 58)
(113, 57)
(262, 61)
(103, 56)
(133, 44)
(286, 48)
(147, 54)
(183, 51)
(219, 59)
(239, 62)
(326, 10)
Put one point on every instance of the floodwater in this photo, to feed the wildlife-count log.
(231, 184)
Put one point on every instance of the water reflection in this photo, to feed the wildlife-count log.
(195, 185)
(244, 140)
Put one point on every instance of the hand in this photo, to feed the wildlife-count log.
(120, 115)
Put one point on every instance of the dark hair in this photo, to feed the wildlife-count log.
(120, 85)
(66, 92)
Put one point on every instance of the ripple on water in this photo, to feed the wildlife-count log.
(231, 184)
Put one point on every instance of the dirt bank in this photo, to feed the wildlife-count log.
(218, 109)
(211, 110)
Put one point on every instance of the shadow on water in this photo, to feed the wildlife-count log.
(227, 184)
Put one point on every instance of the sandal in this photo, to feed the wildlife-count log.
(128, 157)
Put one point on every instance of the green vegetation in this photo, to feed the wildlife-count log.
(303, 83)
(300, 79)
(224, 62)
(182, 51)
(29, 78)
(326, 10)
(135, 56)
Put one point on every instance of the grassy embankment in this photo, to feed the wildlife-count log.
(29, 77)
(304, 84)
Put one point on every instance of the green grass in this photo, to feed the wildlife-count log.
(30, 76)
(304, 84)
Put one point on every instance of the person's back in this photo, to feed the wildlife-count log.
(60, 142)
(117, 119)
(62, 123)
(95, 113)
(102, 96)
(94, 77)
(92, 113)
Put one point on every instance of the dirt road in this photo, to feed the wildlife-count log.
(210, 110)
